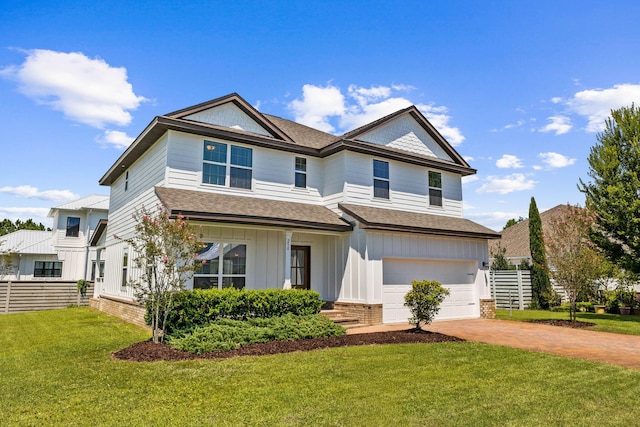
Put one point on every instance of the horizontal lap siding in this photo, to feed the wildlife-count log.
(408, 187)
(35, 296)
(272, 171)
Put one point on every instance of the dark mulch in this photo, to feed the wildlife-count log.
(564, 323)
(150, 352)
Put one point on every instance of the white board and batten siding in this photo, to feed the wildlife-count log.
(388, 262)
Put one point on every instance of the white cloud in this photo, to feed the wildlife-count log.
(317, 106)
(506, 184)
(86, 90)
(469, 179)
(36, 214)
(509, 161)
(556, 100)
(596, 104)
(556, 160)
(559, 124)
(30, 192)
(116, 139)
(320, 106)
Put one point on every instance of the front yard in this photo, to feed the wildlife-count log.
(56, 370)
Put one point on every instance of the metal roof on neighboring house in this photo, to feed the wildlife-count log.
(93, 202)
(28, 242)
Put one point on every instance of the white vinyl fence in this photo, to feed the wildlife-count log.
(16, 297)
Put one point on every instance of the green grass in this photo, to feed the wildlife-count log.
(629, 325)
(55, 369)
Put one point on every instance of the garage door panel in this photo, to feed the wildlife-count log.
(457, 276)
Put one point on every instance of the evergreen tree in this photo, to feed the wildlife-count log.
(613, 193)
(541, 285)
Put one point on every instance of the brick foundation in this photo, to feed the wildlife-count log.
(488, 308)
(367, 314)
(129, 311)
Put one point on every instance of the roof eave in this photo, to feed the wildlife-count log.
(254, 220)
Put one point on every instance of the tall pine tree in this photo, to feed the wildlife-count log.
(541, 285)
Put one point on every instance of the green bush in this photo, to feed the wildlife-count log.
(202, 306)
(229, 334)
(424, 301)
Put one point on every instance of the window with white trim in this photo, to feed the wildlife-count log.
(301, 172)
(435, 188)
(380, 179)
(125, 270)
(221, 160)
(224, 265)
(47, 269)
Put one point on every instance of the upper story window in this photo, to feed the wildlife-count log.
(219, 162)
(435, 188)
(73, 226)
(380, 179)
(126, 180)
(301, 172)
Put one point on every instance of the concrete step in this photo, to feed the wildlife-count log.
(340, 317)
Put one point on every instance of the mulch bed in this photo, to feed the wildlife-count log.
(148, 351)
(564, 323)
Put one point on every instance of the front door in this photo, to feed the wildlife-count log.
(300, 267)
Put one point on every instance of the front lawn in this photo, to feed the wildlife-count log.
(55, 369)
(615, 323)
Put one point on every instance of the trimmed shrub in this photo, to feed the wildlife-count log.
(424, 301)
(229, 334)
(202, 306)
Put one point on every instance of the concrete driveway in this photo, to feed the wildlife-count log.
(615, 349)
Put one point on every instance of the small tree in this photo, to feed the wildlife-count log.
(165, 251)
(424, 301)
(500, 261)
(576, 263)
(6, 260)
(540, 283)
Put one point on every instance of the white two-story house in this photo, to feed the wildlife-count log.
(65, 253)
(355, 217)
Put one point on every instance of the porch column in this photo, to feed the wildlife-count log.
(287, 259)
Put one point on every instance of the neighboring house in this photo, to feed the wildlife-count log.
(63, 254)
(355, 217)
(515, 239)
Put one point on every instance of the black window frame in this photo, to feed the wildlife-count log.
(434, 181)
(46, 270)
(381, 179)
(73, 227)
(221, 160)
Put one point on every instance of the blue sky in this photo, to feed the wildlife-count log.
(519, 88)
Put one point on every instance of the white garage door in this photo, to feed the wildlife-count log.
(457, 276)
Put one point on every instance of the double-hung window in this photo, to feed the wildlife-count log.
(223, 265)
(73, 227)
(301, 172)
(47, 269)
(221, 160)
(435, 188)
(380, 179)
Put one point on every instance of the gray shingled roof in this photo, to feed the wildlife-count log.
(301, 134)
(395, 220)
(201, 205)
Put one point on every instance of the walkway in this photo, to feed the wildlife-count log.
(616, 349)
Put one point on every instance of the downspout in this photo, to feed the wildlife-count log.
(86, 251)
